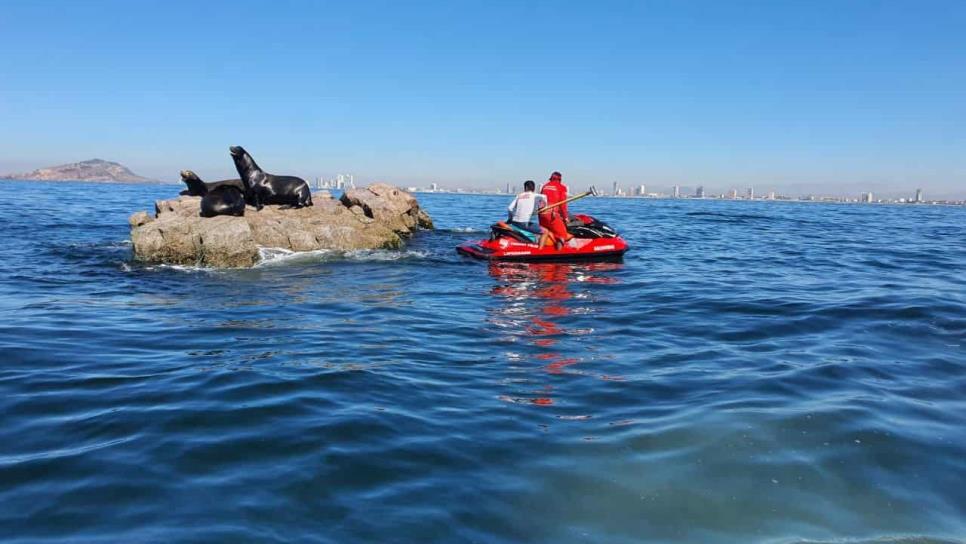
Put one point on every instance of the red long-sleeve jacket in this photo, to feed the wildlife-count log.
(555, 191)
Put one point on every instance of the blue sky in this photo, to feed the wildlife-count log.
(839, 96)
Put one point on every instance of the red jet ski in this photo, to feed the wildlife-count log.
(592, 240)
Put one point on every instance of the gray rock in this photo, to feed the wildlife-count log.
(378, 217)
(389, 205)
(139, 219)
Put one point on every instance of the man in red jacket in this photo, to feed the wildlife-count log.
(555, 220)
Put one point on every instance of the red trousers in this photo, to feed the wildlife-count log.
(555, 224)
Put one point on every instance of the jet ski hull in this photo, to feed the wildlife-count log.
(578, 249)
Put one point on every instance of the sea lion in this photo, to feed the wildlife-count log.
(223, 200)
(196, 187)
(262, 188)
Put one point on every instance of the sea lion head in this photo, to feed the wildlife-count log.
(196, 187)
(248, 170)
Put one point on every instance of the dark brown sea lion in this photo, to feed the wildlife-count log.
(196, 187)
(262, 188)
(223, 200)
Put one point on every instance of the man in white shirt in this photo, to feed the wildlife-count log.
(522, 208)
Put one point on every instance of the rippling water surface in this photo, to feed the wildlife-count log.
(752, 372)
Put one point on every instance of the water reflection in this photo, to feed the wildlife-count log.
(538, 298)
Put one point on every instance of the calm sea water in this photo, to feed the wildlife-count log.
(752, 372)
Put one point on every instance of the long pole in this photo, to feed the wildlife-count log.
(591, 192)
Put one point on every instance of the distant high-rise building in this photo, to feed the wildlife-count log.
(918, 195)
(433, 187)
(771, 195)
(508, 188)
(699, 192)
(867, 197)
(616, 189)
(751, 193)
(677, 191)
(342, 181)
(733, 195)
(642, 190)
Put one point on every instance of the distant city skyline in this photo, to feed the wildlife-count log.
(699, 194)
(797, 98)
(341, 180)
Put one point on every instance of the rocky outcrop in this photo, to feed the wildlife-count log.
(389, 205)
(380, 216)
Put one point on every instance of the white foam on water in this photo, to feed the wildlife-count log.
(181, 268)
(273, 256)
(132, 267)
(463, 229)
(385, 254)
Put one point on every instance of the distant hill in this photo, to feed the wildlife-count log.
(92, 170)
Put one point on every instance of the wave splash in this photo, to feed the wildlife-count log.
(270, 256)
